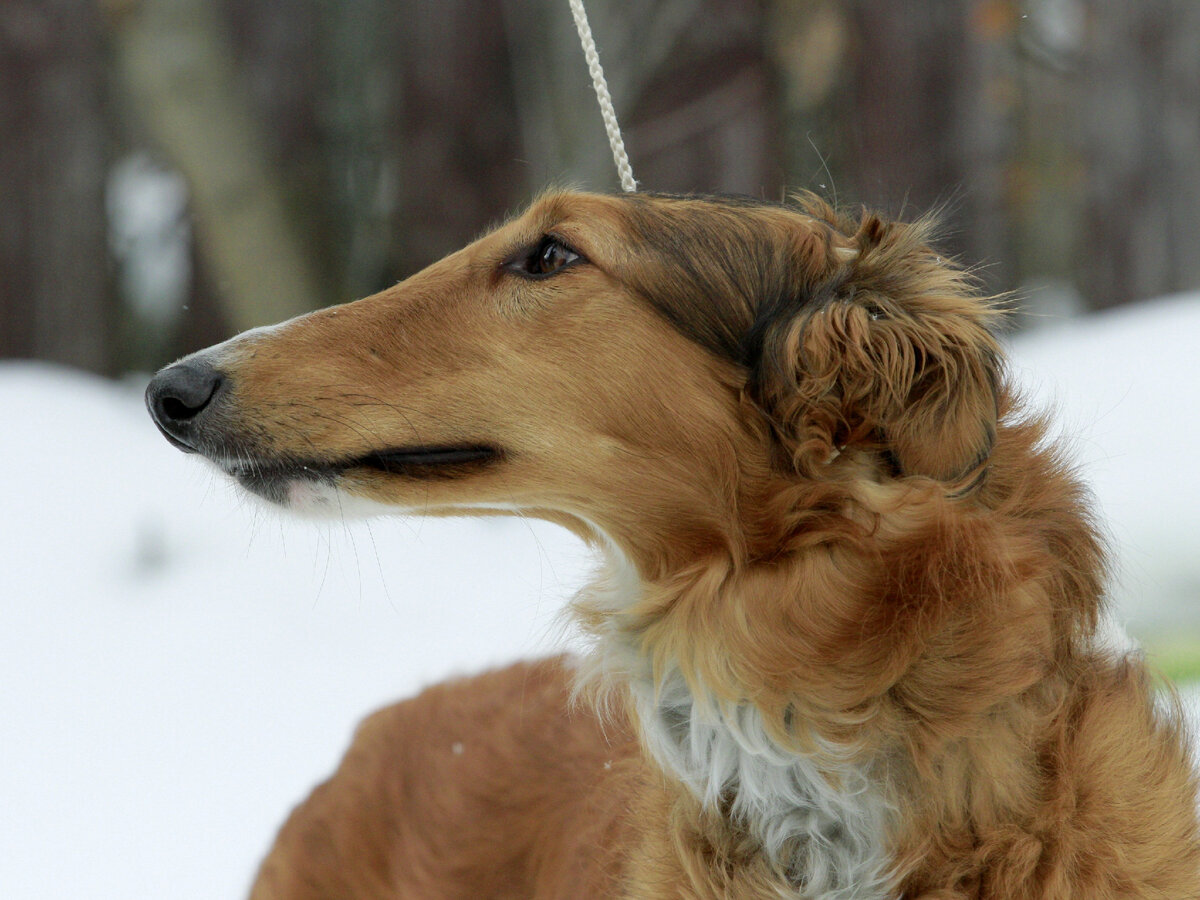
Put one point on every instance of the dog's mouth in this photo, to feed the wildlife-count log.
(425, 461)
(273, 479)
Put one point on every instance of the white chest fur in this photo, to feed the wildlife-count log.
(824, 823)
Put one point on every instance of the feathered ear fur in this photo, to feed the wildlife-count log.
(889, 348)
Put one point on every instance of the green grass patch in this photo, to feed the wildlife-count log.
(1177, 658)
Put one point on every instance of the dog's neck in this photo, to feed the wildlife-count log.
(821, 817)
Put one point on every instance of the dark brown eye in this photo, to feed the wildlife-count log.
(549, 256)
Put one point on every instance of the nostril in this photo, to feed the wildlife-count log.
(178, 410)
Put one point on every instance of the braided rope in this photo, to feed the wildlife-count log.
(606, 105)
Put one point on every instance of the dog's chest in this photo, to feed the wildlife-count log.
(824, 823)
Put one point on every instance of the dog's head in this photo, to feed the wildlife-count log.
(624, 364)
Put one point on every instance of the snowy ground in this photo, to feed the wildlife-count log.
(178, 666)
(1125, 390)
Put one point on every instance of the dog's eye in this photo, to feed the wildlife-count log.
(547, 257)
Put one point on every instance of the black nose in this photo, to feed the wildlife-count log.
(177, 396)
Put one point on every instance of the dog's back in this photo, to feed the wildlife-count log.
(492, 786)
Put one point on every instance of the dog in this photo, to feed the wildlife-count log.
(846, 625)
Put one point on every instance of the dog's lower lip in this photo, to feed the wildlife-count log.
(412, 461)
(405, 458)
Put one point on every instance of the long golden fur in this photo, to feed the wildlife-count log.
(847, 624)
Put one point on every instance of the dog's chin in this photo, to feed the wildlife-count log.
(302, 490)
(319, 496)
(325, 499)
(310, 497)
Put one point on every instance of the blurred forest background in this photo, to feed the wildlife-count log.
(172, 171)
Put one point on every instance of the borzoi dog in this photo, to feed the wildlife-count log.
(845, 629)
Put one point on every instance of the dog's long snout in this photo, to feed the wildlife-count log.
(178, 395)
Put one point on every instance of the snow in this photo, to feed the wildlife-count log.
(1124, 387)
(179, 665)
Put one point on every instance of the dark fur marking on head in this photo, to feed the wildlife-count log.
(719, 286)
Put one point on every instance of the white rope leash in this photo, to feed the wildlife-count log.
(606, 105)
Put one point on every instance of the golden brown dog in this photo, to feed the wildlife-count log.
(845, 633)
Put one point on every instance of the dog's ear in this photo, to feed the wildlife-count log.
(887, 346)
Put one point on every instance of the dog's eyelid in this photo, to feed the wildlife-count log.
(555, 238)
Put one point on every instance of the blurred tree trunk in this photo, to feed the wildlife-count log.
(809, 44)
(1044, 168)
(457, 157)
(175, 63)
(1141, 121)
(927, 133)
(898, 111)
(360, 85)
(280, 64)
(55, 301)
(690, 80)
(910, 73)
(703, 116)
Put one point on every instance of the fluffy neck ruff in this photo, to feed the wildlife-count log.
(820, 814)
